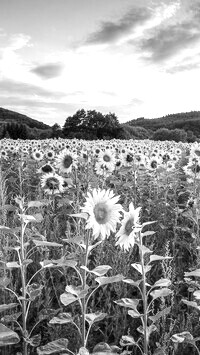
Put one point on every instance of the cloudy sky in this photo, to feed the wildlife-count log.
(136, 58)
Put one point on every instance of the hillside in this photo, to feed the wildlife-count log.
(7, 116)
(188, 121)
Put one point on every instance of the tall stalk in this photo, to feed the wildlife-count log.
(144, 296)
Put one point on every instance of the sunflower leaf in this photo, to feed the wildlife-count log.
(128, 302)
(108, 280)
(99, 270)
(8, 336)
(54, 347)
(161, 293)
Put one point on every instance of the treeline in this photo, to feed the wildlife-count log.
(22, 131)
(186, 121)
(92, 125)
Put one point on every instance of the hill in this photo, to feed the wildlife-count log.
(7, 116)
(188, 121)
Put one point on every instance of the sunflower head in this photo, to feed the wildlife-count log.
(103, 212)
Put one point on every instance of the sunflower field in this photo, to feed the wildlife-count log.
(99, 247)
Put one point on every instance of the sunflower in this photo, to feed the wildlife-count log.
(50, 154)
(103, 211)
(65, 161)
(52, 183)
(37, 155)
(107, 159)
(154, 163)
(130, 225)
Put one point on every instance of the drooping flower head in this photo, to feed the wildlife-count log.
(103, 211)
(130, 225)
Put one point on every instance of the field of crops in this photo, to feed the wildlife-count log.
(99, 247)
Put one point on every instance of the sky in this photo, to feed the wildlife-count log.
(134, 58)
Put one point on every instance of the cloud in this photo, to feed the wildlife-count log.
(112, 31)
(10, 87)
(172, 37)
(48, 71)
(183, 67)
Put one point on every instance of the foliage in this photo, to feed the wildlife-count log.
(91, 125)
(62, 288)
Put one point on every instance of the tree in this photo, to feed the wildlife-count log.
(164, 134)
(56, 131)
(91, 125)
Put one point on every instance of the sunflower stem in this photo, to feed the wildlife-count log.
(83, 300)
(144, 296)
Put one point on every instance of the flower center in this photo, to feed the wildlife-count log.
(129, 158)
(101, 213)
(129, 226)
(154, 164)
(197, 152)
(106, 158)
(51, 183)
(46, 168)
(196, 169)
(67, 161)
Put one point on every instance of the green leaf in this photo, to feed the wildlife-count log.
(12, 264)
(195, 273)
(35, 204)
(34, 290)
(152, 328)
(108, 280)
(181, 337)
(159, 257)
(160, 314)
(27, 218)
(38, 217)
(47, 263)
(99, 270)
(138, 267)
(95, 317)
(196, 294)
(134, 313)
(53, 347)
(148, 223)
(7, 336)
(144, 249)
(161, 293)
(67, 298)
(5, 307)
(133, 283)
(27, 261)
(162, 283)
(91, 247)
(64, 262)
(127, 340)
(191, 304)
(35, 340)
(6, 230)
(9, 318)
(77, 291)
(128, 302)
(40, 243)
(62, 318)
(147, 233)
(4, 281)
